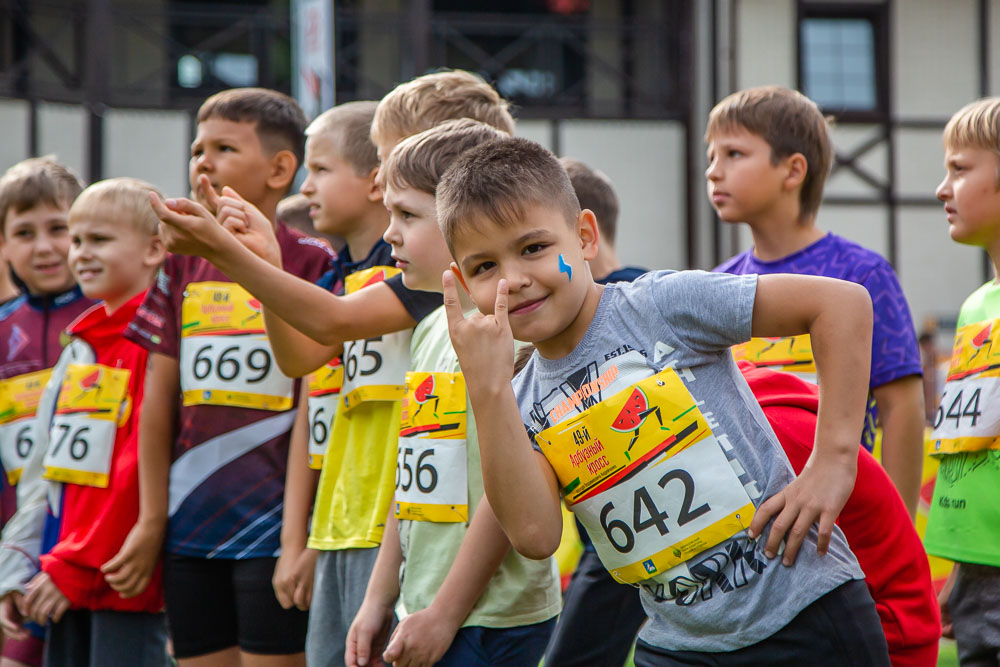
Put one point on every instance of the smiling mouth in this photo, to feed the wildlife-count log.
(528, 307)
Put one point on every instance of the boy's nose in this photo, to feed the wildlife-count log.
(943, 191)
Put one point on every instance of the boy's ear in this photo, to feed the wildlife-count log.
(590, 236)
(155, 253)
(374, 187)
(283, 168)
(797, 170)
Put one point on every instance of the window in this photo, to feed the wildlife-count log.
(840, 57)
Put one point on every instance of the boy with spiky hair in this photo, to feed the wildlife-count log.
(769, 154)
(633, 410)
(965, 512)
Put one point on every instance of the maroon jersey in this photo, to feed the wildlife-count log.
(230, 452)
(32, 335)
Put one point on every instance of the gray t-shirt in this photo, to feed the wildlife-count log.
(728, 595)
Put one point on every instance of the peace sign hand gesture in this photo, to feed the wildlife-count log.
(484, 343)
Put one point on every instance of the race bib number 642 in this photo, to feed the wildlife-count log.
(646, 476)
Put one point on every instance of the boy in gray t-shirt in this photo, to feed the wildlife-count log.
(638, 417)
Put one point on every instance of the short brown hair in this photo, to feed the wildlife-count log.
(498, 180)
(427, 100)
(279, 121)
(125, 198)
(37, 180)
(976, 125)
(790, 123)
(420, 161)
(348, 126)
(595, 191)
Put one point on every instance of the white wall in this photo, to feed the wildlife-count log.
(645, 161)
(765, 42)
(151, 145)
(14, 120)
(62, 131)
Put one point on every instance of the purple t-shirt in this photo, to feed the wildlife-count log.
(894, 341)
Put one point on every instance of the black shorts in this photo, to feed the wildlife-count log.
(215, 604)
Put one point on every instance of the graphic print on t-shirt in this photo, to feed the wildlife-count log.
(645, 470)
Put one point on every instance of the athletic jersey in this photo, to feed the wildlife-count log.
(31, 338)
(230, 448)
(875, 522)
(358, 468)
(94, 448)
(965, 509)
(661, 450)
(895, 353)
(439, 484)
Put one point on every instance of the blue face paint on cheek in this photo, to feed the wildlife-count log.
(565, 268)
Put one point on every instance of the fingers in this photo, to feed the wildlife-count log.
(208, 193)
(826, 523)
(500, 308)
(796, 536)
(281, 591)
(395, 648)
(302, 596)
(358, 648)
(765, 513)
(60, 607)
(452, 306)
(114, 564)
(458, 274)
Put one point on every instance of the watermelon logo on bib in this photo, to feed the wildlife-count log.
(633, 415)
(424, 393)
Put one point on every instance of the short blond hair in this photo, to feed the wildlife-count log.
(976, 125)
(790, 123)
(119, 199)
(348, 127)
(420, 161)
(37, 180)
(427, 100)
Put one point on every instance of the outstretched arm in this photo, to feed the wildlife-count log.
(519, 482)
(838, 317)
(305, 323)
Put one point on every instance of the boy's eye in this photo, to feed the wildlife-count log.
(734, 153)
(533, 248)
(482, 268)
(24, 233)
(225, 148)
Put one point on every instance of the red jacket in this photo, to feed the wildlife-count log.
(94, 522)
(874, 520)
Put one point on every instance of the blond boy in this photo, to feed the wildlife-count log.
(965, 512)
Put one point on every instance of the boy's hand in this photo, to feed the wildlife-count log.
(946, 627)
(815, 496)
(293, 578)
(367, 635)
(44, 601)
(484, 344)
(132, 567)
(420, 639)
(245, 221)
(188, 228)
(11, 619)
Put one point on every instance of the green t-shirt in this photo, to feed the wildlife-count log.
(522, 591)
(964, 520)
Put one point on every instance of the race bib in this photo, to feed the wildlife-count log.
(647, 478)
(93, 402)
(374, 368)
(968, 417)
(431, 479)
(19, 398)
(792, 354)
(324, 392)
(226, 358)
